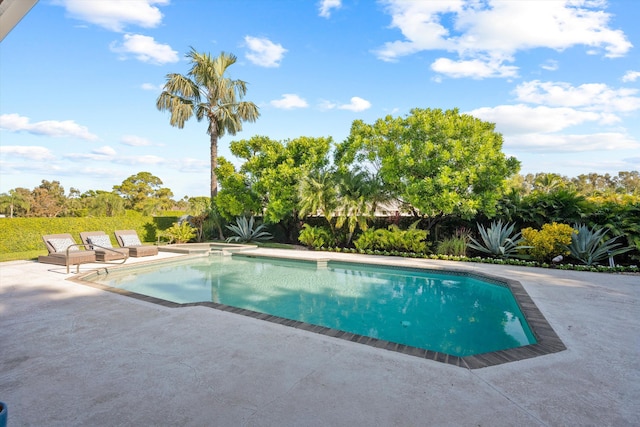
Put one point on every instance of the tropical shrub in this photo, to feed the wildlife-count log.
(621, 219)
(590, 247)
(452, 246)
(455, 245)
(393, 239)
(245, 232)
(315, 237)
(559, 205)
(179, 232)
(548, 242)
(370, 239)
(498, 240)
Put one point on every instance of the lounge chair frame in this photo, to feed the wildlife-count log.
(135, 251)
(104, 254)
(66, 258)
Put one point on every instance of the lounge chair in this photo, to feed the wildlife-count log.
(63, 250)
(101, 244)
(129, 239)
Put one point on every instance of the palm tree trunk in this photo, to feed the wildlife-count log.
(214, 164)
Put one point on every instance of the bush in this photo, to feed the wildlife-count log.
(315, 237)
(393, 239)
(179, 233)
(548, 242)
(455, 245)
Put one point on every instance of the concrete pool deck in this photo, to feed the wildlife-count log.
(71, 354)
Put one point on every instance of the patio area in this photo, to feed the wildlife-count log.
(71, 354)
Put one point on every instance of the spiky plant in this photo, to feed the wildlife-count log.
(498, 240)
(590, 247)
(244, 231)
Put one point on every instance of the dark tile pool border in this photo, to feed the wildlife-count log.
(548, 341)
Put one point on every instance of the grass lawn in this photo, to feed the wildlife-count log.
(15, 256)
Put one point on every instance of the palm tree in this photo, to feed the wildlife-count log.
(318, 195)
(206, 93)
(355, 190)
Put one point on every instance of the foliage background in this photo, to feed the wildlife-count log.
(25, 234)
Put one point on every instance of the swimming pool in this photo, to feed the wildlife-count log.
(448, 313)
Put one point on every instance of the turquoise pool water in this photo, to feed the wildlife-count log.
(448, 313)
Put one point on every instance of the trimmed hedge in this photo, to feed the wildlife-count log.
(25, 234)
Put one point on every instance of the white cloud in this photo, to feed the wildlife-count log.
(327, 5)
(635, 161)
(571, 143)
(550, 65)
(151, 87)
(474, 68)
(34, 153)
(58, 129)
(356, 104)
(474, 35)
(135, 141)
(289, 101)
(540, 129)
(589, 96)
(114, 15)
(141, 160)
(327, 105)
(145, 49)
(522, 119)
(191, 165)
(108, 154)
(631, 76)
(264, 52)
(105, 153)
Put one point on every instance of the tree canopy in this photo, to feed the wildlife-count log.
(437, 162)
(144, 192)
(269, 179)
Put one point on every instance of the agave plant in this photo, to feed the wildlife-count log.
(244, 231)
(498, 240)
(590, 247)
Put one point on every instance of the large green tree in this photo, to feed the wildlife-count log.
(206, 93)
(17, 202)
(105, 203)
(144, 192)
(271, 174)
(439, 163)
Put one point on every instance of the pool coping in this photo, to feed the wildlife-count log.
(548, 342)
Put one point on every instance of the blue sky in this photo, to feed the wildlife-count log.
(79, 80)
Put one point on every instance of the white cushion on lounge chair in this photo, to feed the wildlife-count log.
(61, 245)
(130, 240)
(102, 241)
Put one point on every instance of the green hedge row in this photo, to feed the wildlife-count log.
(25, 234)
